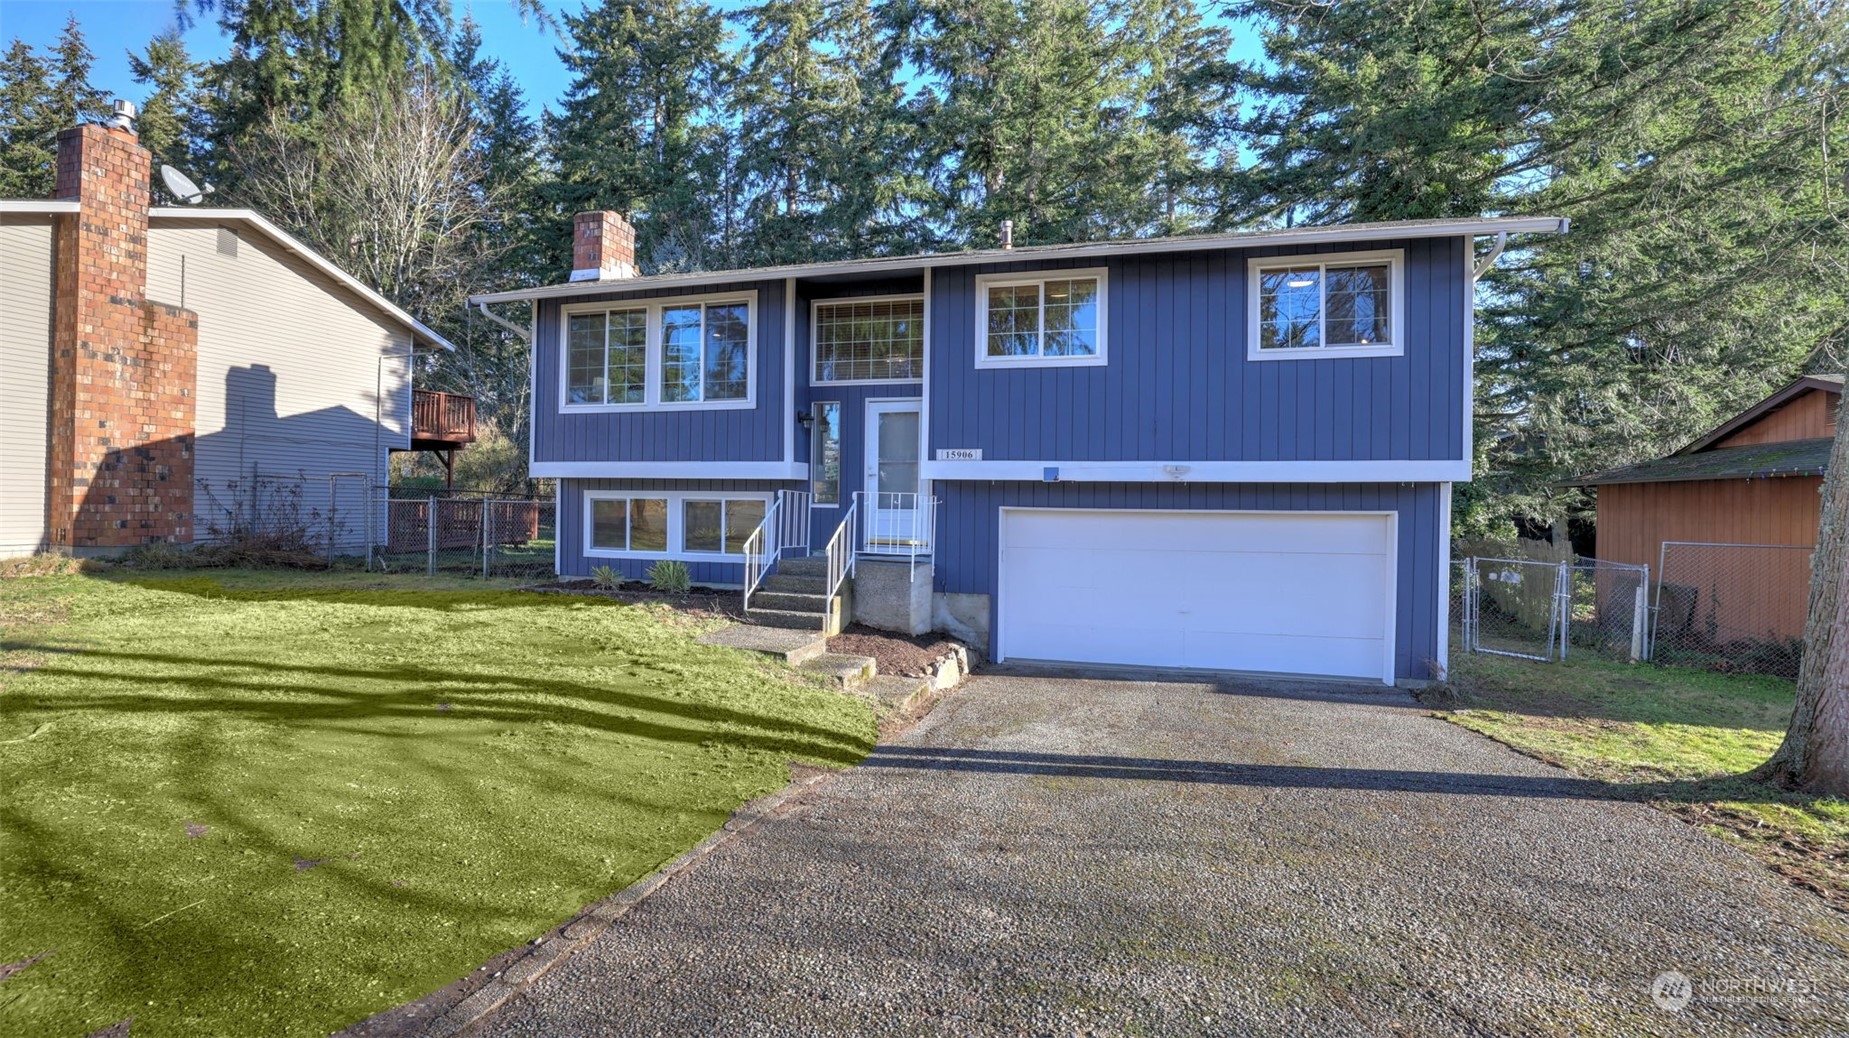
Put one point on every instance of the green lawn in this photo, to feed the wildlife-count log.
(1681, 738)
(249, 804)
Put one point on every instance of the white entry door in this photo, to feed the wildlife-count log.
(1290, 592)
(891, 520)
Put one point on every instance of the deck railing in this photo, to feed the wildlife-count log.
(449, 417)
(897, 524)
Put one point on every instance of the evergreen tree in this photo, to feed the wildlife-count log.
(170, 120)
(637, 132)
(27, 133)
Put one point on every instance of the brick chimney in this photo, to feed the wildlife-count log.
(123, 368)
(603, 247)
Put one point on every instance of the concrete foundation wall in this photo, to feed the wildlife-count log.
(893, 596)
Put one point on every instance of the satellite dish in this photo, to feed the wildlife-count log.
(181, 186)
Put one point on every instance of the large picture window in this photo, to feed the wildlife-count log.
(869, 340)
(671, 524)
(632, 525)
(719, 526)
(1341, 305)
(671, 354)
(1047, 318)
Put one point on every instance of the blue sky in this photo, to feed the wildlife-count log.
(114, 27)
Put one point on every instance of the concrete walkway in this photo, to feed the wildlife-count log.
(1058, 855)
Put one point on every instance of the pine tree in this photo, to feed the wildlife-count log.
(636, 130)
(27, 157)
(170, 120)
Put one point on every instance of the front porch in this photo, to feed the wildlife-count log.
(874, 565)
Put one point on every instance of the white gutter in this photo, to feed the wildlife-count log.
(1358, 232)
(525, 336)
(1495, 253)
(313, 258)
(39, 205)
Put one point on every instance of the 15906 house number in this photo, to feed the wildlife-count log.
(959, 454)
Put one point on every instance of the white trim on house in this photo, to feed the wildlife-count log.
(775, 470)
(1396, 304)
(924, 392)
(1444, 583)
(1470, 352)
(313, 259)
(815, 354)
(789, 370)
(677, 534)
(40, 206)
(984, 282)
(1402, 471)
(655, 350)
(1389, 638)
(1279, 237)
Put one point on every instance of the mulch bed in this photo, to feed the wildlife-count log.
(697, 599)
(895, 653)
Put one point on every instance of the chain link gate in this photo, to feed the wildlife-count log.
(1546, 610)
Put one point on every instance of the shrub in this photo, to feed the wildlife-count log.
(669, 575)
(160, 555)
(607, 578)
(44, 564)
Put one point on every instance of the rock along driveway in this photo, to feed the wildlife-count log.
(1056, 854)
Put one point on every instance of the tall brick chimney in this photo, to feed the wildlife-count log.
(603, 247)
(123, 368)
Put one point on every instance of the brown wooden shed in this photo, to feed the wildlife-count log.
(1753, 480)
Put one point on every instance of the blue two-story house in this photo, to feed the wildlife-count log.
(1227, 451)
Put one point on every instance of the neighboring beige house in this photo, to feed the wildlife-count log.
(153, 360)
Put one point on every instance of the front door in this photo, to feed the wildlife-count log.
(892, 521)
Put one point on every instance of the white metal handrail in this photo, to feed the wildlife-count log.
(841, 556)
(897, 524)
(785, 528)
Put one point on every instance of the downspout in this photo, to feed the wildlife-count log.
(525, 336)
(1495, 253)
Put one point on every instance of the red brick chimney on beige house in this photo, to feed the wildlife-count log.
(123, 367)
(603, 247)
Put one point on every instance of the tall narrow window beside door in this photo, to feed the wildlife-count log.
(825, 453)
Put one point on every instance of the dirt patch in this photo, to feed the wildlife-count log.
(194, 830)
(7, 969)
(119, 1029)
(304, 864)
(895, 653)
(701, 601)
(1817, 866)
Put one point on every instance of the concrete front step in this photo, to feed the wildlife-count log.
(895, 693)
(797, 621)
(794, 646)
(849, 672)
(792, 601)
(794, 583)
(804, 566)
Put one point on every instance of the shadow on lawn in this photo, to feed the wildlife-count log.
(1283, 776)
(491, 697)
(439, 600)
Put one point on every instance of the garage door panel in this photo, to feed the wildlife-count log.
(1282, 592)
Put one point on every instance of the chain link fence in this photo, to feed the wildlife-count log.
(1732, 607)
(346, 518)
(1548, 607)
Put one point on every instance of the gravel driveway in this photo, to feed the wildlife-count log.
(1055, 854)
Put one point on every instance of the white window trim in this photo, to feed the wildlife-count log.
(651, 390)
(677, 549)
(815, 357)
(1396, 302)
(841, 476)
(984, 282)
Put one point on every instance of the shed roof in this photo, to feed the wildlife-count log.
(1754, 461)
(1806, 384)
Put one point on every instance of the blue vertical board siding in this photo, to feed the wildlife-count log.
(716, 434)
(571, 534)
(1177, 385)
(968, 555)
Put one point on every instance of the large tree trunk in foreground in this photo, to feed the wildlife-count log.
(1815, 754)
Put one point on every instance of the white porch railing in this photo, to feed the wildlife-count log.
(841, 554)
(897, 524)
(785, 529)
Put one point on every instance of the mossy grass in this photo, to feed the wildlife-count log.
(261, 803)
(1681, 738)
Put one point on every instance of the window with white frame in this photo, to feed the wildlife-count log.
(670, 353)
(719, 525)
(670, 524)
(1051, 317)
(628, 525)
(1335, 305)
(825, 453)
(868, 340)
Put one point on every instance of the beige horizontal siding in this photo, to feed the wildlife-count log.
(25, 368)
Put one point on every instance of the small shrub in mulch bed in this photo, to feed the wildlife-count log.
(722, 601)
(895, 653)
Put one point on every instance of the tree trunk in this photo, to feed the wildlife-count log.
(1815, 753)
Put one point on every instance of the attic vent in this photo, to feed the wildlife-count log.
(227, 242)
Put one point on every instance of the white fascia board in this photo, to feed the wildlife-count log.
(1404, 471)
(1359, 232)
(775, 470)
(40, 205)
(313, 258)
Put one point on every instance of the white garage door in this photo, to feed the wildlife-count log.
(1296, 593)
